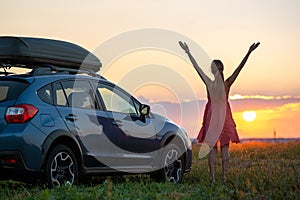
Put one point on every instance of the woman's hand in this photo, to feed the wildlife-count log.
(253, 46)
(184, 46)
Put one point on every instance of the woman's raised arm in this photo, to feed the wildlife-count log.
(230, 80)
(202, 75)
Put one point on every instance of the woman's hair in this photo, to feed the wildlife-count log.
(218, 64)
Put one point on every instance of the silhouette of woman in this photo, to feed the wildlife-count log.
(218, 123)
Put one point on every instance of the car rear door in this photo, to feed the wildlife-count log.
(77, 104)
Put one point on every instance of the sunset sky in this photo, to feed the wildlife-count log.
(160, 74)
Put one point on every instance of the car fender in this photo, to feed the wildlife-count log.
(54, 137)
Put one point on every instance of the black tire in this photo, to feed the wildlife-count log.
(61, 167)
(171, 166)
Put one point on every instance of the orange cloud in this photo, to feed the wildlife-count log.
(238, 96)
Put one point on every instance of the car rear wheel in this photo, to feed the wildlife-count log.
(61, 167)
(171, 165)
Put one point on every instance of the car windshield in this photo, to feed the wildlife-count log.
(11, 89)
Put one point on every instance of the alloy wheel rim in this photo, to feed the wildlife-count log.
(173, 166)
(62, 169)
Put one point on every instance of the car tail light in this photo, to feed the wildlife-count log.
(10, 161)
(21, 113)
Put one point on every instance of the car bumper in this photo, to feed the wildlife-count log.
(20, 147)
(12, 160)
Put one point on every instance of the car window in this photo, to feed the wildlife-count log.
(60, 97)
(10, 90)
(116, 101)
(78, 94)
(45, 94)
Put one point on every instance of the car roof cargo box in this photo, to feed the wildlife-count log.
(33, 52)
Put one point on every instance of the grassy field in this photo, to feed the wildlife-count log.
(258, 171)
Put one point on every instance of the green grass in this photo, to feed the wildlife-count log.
(257, 171)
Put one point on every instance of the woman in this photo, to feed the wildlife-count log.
(217, 111)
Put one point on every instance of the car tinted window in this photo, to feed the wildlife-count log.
(45, 94)
(79, 94)
(115, 100)
(10, 90)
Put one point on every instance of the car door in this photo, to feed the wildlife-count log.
(135, 136)
(77, 104)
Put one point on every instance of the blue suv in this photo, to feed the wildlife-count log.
(63, 121)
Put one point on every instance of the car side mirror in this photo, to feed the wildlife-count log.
(144, 110)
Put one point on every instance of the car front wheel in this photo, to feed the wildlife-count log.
(171, 165)
(61, 167)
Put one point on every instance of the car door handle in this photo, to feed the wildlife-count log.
(71, 118)
(117, 123)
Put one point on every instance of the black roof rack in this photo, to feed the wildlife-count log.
(49, 70)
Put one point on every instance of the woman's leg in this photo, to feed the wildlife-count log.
(225, 161)
(212, 162)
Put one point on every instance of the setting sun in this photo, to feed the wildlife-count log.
(249, 116)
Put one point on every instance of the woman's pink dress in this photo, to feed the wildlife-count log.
(229, 131)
